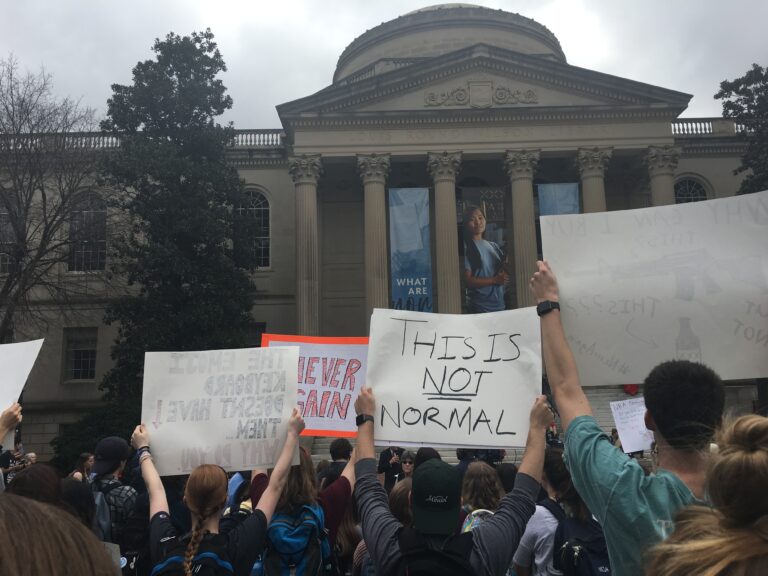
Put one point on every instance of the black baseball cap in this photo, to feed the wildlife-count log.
(109, 452)
(436, 497)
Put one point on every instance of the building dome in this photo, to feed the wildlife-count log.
(440, 29)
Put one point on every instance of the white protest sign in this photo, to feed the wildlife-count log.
(16, 360)
(688, 281)
(443, 379)
(629, 416)
(225, 407)
(331, 373)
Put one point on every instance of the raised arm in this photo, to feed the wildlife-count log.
(380, 528)
(9, 419)
(157, 500)
(561, 367)
(496, 539)
(533, 458)
(279, 477)
(349, 469)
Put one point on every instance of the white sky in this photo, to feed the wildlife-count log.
(278, 51)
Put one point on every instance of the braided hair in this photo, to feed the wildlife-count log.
(205, 495)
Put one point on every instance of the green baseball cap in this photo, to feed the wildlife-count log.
(436, 497)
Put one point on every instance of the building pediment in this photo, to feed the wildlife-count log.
(477, 78)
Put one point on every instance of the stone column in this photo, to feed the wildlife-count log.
(662, 162)
(373, 171)
(592, 163)
(444, 166)
(305, 171)
(520, 166)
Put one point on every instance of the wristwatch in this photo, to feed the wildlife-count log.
(363, 418)
(546, 307)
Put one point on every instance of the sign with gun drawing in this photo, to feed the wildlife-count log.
(448, 379)
(688, 281)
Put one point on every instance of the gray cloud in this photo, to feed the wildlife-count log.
(281, 51)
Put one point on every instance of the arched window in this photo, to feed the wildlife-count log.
(689, 190)
(88, 233)
(255, 209)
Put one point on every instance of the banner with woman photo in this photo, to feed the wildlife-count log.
(484, 249)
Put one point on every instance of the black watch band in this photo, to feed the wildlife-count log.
(363, 418)
(546, 307)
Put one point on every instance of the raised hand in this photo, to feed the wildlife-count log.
(543, 284)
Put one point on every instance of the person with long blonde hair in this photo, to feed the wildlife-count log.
(205, 496)
(731, 537)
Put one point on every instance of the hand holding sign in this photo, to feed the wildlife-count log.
(544, 284)
(10, 418)
(541, 414)
(296, 422)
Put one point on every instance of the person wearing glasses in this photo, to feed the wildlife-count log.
(406, 463)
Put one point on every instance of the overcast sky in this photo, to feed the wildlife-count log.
(280, 50)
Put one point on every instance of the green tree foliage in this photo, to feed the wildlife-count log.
(185, 288)
(745, 100)
(181, 197)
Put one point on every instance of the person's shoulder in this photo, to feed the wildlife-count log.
(666, 485)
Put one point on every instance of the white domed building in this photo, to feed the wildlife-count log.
(468, 104)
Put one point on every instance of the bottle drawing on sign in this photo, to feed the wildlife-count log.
(687, 345)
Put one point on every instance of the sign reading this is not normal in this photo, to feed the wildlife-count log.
(459, 380)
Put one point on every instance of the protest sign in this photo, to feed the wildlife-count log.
(225, 407)
(457, 380)
(331, 373)
(629, 416)
(17, 361)
(671, 282)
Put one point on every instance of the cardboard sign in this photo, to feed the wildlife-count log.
(331, 373)
(17, 360)
(225, 407)
(639, 287)
(629, 416)
(456, 380)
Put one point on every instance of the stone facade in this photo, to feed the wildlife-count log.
(439, 98)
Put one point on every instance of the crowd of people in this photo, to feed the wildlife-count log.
(581, 507)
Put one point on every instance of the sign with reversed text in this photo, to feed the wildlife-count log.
(456, 380)
(688, 281)
(17, 361)
(225, 407)
(331, 373)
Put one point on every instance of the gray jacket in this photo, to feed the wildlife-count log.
(494, 541)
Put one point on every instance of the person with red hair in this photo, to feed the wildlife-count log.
(205, 496)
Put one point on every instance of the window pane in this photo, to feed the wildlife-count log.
(256, 208)
(689, 190)
(80, 356)
(88, 234)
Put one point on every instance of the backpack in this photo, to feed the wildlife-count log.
(102, 521)
(211, 558)
(580, 549)
(419, 559)
(134, 542)
(297, 544)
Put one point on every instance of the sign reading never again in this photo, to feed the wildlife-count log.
(458, 380)
(225, 407)
(331, 373)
